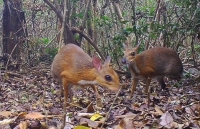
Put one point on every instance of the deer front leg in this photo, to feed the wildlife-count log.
(147, 90)
(134, 84)
(148, 81)
(98, 97)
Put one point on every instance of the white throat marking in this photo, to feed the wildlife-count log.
(85, 82)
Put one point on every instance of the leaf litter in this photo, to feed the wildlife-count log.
(31, 99)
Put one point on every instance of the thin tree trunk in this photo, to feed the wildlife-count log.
(14, 28)
(134, 22)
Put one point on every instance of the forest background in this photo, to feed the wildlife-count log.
(33, 31)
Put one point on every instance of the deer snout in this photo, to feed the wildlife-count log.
(124, 61)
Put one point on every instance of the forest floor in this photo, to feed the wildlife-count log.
(31, 99)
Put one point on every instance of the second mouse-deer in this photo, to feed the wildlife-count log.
(72, 66)
(156, 62)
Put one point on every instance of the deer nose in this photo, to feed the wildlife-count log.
(123, 61)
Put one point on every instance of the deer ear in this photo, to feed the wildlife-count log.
(107, 61)
(125, 46)
(138, 45)
(97, 63)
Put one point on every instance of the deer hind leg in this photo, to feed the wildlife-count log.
(161, 81)
(65, 88)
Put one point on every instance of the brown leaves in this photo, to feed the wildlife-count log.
(6, 113)
(23, 125)
(24, 117)
(34, 101)
(166, 120)
(34, 115)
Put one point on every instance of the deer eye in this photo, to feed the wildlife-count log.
(108, 78)
(132, 53)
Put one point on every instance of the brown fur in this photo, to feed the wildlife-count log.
(72, 65)
(156, 62)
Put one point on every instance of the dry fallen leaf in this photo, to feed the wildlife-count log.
(6, 113)
(34, 115)
(166, 119)
(126, 122)
(176, 125)
(96, 117)
(90, 108)
(84, 121)
(68, 122)
(81, 127)
(157, 108)
(7, 121)
(23, 125)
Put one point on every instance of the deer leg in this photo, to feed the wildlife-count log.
(147, 90)
(161, 81)
(148, 81)
(134, 84)
(65, 88)
(98, 97)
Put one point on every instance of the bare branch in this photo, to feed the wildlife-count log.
(76, 30)
(61, 41)
(54, 9)
(118, 11)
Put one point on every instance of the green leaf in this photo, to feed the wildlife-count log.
(79, 15)
(96, 116)
(81, 127)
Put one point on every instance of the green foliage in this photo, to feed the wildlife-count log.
(197, 48)
(51, 52)
(78, 15)
(147, 8)
(118, 41)
(181, 22)
(74, 1)
(187, 75)
(178, 23)
(104, 21)
(141, 48)
(184, 3)
(178, 84)
(1, 2)
(40, 43)
(127, 31)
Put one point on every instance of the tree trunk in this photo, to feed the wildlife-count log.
(14, 28)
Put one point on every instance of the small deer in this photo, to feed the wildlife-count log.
(72, 66)
(155, 62)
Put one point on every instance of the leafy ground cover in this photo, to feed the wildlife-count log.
(31, 99)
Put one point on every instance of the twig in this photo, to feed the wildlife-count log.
(76, 30)
(52, 39)
(88, 114)
(125, 116)
(61, 41)
(10, 56)
(189, 95)
(111, 107)
(54, 9)
(71, 104)
(15, 74)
